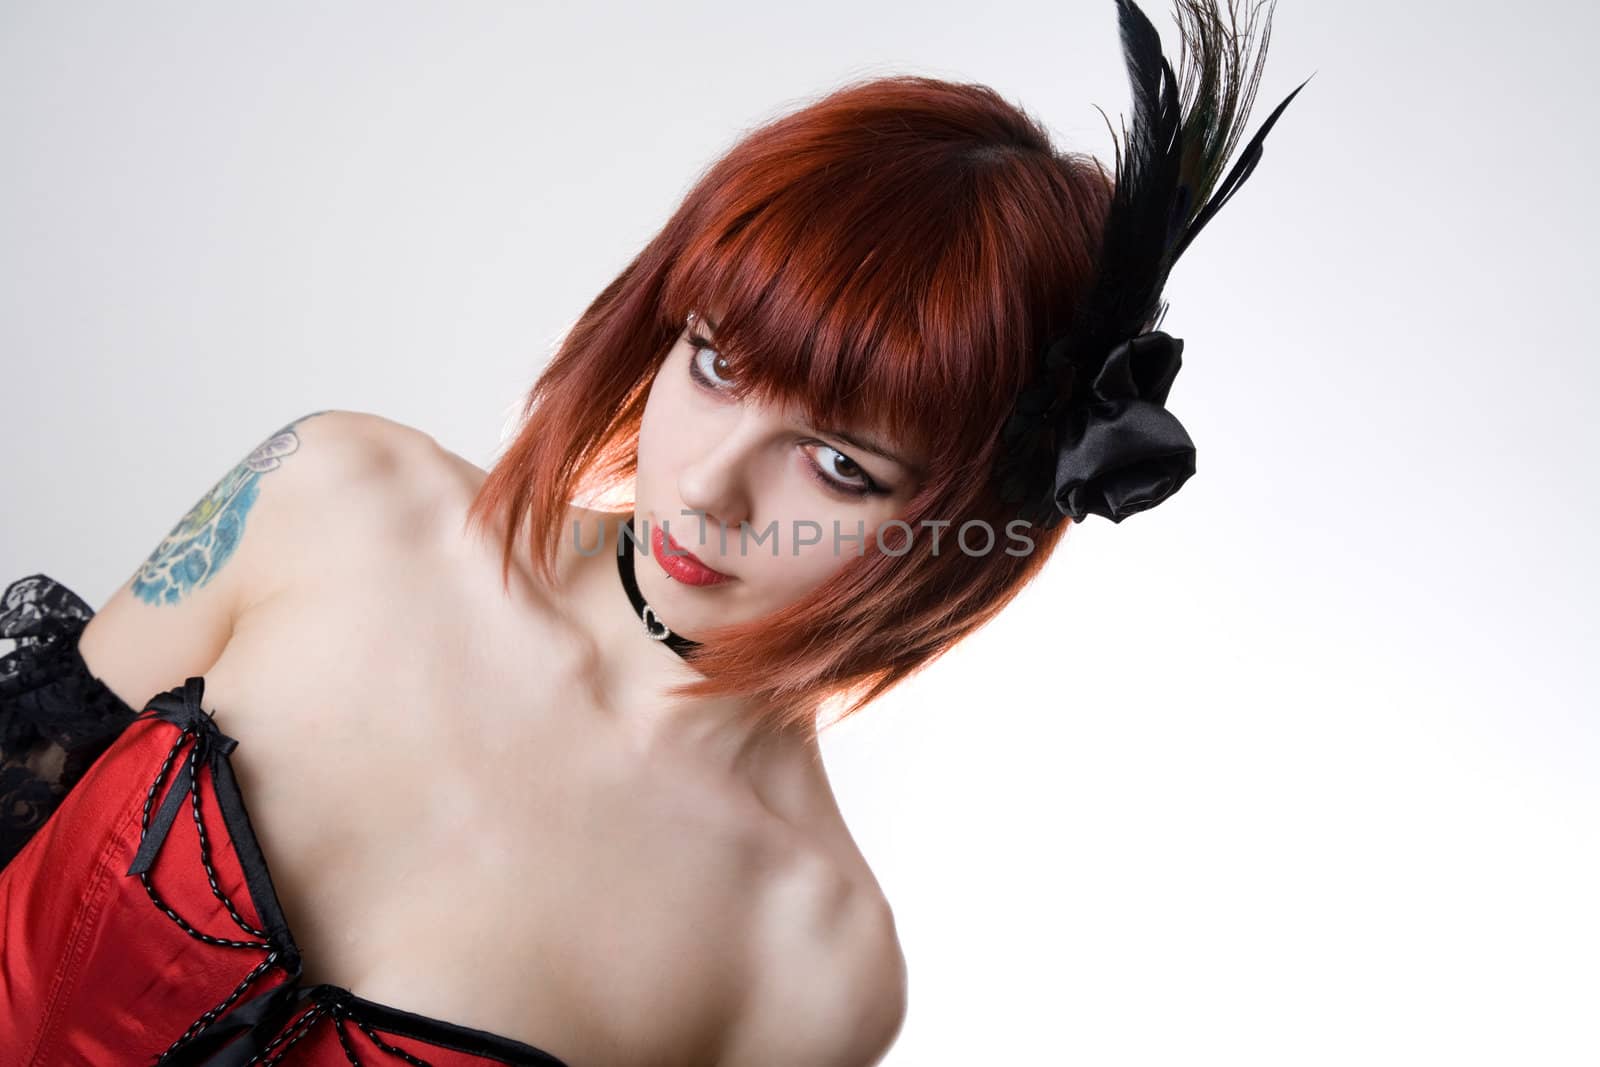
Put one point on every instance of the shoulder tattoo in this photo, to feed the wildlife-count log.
(204, 539)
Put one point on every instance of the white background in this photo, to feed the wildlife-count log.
(1299, 768)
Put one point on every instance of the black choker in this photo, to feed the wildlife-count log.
(652, 624)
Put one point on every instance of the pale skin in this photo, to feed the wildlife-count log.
(480, 806)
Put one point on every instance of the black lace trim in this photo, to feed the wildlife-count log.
(56, 718)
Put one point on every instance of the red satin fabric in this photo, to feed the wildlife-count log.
(94, 972)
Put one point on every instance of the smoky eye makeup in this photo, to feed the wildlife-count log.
(698, 344)
(865, 487)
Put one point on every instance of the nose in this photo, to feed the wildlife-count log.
(718, 482)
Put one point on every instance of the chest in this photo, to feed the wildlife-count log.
(471, 852)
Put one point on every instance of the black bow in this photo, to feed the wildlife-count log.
(243, 1034)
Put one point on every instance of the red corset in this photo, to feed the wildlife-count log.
(140, 926)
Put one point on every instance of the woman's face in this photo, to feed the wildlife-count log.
(769, 489)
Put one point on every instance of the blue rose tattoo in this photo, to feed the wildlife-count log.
(207, 536)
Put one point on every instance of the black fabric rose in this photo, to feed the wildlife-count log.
(1112, 450)
(1121, 451)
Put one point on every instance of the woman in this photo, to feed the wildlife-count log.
(531, 796)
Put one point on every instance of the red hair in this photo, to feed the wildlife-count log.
(893, 255)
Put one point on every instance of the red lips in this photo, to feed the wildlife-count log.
(679, 563)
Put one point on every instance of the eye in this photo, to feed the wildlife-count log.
(702, 369)
(856, 482)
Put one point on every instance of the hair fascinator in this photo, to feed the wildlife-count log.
(1091, 434)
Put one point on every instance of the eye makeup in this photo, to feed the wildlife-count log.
(849, 490)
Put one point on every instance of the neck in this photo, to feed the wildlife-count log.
(635, 673)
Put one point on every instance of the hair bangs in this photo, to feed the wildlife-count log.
(883, 310)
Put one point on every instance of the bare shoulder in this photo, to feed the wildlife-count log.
(339, 478)
(371, 476)
(831, 984)
(360, 449)
(244, 540)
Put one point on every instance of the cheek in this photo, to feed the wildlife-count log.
(787, 577)
(664, 435)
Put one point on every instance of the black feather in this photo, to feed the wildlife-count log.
(1185, 127)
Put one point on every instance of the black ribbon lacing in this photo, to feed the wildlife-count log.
(254, 1032)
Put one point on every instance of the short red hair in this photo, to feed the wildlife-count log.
(894, 254)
